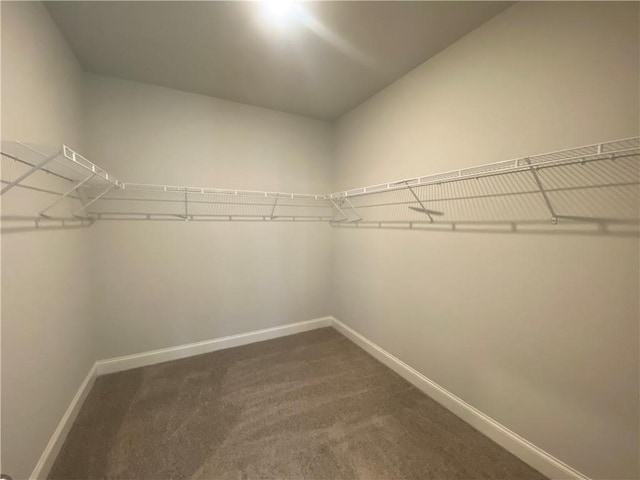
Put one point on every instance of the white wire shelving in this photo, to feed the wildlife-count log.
(593, 184)
(163, 202)
(71, 188)
(50, 186)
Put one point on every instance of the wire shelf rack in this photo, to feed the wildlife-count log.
(593, 184)
(49, 184)
(161, 202)
(64, 186)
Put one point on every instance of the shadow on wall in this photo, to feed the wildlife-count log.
(598, 197)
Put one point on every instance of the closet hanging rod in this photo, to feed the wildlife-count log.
(627, 147)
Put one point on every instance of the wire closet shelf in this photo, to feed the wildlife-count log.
(595, 184)
(590, 184)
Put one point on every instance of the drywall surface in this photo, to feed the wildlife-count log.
(538, 331)
(166, 283)
(47, 346)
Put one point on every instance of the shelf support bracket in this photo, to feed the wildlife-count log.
(66, 194)
(423, 208)
(354, 209)
(186, 206)
(536, 177)
(84, 207)
(273, 209)
(346, 217)
(26, 174)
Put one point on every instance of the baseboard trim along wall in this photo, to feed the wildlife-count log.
(542, 461)
(60, 434)
(536, 457)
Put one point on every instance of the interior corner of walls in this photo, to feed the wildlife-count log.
(40, 74)
(42, 105)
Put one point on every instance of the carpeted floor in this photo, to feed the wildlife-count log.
(308, 406)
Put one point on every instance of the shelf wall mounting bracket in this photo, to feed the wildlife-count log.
(346, 199)
(28, 173)
(66, 194)
(186, 205)
(273, 209)
(422, 208)
(346, 217)
(536, 177)
(84, 207)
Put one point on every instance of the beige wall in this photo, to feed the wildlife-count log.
(161, 284)
(538, 331)
(47, 344)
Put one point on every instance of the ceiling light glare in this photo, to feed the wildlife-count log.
(278, 10)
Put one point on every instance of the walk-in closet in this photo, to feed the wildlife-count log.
(320, 240)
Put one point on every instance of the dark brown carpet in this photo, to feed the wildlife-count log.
(308, 406)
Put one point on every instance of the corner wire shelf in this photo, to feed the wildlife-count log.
(594, 184)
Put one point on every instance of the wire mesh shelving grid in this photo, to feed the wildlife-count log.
(596, 184)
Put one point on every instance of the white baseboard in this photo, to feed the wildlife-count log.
(60, 434)
(512, 442)
(536, 457)
(128, 362)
